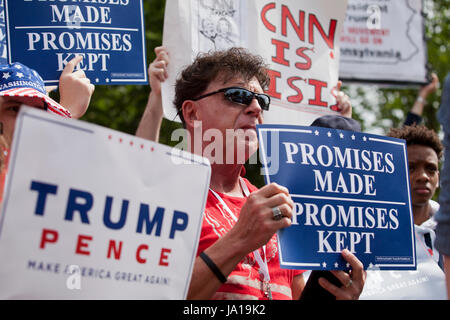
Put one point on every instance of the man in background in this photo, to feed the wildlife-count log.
(424, 152)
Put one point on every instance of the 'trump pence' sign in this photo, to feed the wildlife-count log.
(108, 34)
(91, 213)
(351, 191)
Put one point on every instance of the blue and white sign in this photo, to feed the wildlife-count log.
(2, 34)
(351, 191)
(109, 34)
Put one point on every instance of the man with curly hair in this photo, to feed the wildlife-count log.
(424, 153)
(237, 258)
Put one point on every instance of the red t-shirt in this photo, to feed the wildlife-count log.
(245, 281)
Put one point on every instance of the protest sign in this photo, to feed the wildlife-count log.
(297, 38)
(351, 190)
(2, 34)
(45, 35)
(92, 213)
(384, 42)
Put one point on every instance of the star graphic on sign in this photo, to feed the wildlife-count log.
(18, 66)
(353, 137)
(97, 79)
(364, 138)
(341, 135)
(20, 75)
(370, 265)
(324, 264)
(107, 79)
(347, 265)
(336, 265)
(6, 75)
(329, 134)
(316, 133)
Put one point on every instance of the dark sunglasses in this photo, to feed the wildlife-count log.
(241, 96)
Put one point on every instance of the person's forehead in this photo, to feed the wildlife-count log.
(238, 81)
(418, 153)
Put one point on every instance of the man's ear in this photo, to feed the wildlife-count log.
(190, 113)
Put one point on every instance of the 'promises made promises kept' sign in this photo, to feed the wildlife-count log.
(109, 34)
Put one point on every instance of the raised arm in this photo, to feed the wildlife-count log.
(424, 92)
(344, 105)
(150, 123)
(75, 89)
(415, 114)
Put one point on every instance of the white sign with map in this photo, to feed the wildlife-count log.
(383, 41)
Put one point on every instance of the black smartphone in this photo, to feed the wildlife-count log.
(314, 291)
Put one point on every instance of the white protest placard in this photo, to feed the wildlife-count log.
(384, 41)
(92, 213)
(297, 38)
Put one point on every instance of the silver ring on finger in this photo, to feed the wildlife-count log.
(349, 283)
(277, 215)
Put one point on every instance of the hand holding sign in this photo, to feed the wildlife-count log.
(353, 282)
(75, 88)
(343, 103)
(430, 87)
(157, 70)
(256, 224)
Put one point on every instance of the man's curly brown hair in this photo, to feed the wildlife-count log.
(418, 135)
(224, 65)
